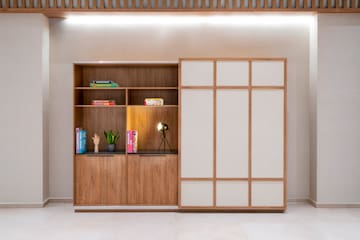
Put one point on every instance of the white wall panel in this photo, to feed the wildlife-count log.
(197, 133)
(197, 73)
(267, 194)
(197, 193)
(232, 73)
(232, 193)
(268, 73)
(267, 133)
(232, 133)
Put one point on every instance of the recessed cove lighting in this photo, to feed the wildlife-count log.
(160, 19)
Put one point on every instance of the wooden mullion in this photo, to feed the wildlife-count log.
(257, 3)
(86, 5)
(188, 3)
(93, 4)
(242, 4)
(282, 5)
(126, 5)
(313, 4)
(172, 4)
(250, 136)
(70, 3)
(227, 4)
(203, 4)
(141, 3)
(62, 4)
(353, 4)
(219, 4)
(15, 4)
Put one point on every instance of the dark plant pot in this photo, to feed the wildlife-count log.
(111, 147)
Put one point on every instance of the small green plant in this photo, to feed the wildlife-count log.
(111, 138)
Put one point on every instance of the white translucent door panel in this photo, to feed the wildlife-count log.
(267, 194)
(197, 193)
(232, 193)
(197, 73)
(232, 73)
(268, 73)
(197, 133)
(267, 133)
(232, 133)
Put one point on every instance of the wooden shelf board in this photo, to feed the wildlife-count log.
(99, 106)
(129, 88)
(161, 106)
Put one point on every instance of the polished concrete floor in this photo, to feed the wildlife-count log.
(58, 221)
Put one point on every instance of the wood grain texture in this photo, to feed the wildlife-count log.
(84, 97)
(100, 180)
(152, 179)
(132, 75)
(136, 97)
(97, 120)
(144, 119)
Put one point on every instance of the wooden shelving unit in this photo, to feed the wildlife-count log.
(135, 179)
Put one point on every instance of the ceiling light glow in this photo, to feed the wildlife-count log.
(244, 20)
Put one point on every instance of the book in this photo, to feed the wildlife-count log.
(102, 81)
(104, 85)
(153, 101)
(80, 141)
(103, 102)
(132, 137)
(77, 130)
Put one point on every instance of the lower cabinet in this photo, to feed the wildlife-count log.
(100, 180)
(104, 180)
(152, 179)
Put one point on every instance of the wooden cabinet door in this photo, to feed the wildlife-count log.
(152, 179)
(100, 180)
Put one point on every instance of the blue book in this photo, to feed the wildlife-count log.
(82, 142)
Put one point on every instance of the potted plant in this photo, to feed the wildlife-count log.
(111, 139)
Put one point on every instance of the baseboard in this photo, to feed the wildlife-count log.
(24, 204)
(334, 205)
(297, 200)
(60, 200)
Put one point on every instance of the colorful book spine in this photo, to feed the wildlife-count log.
(77, 131)
(103, 85)
(132, 137)
(103, 102)
(153, 101)
(82, 141)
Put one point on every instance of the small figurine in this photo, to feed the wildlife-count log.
(96, 140)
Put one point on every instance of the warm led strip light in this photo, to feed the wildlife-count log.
(151, 19)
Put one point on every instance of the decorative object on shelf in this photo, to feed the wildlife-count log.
(153, 101)
(132, 139)
(96, 140)
(103, 102)
(111, 139)
(162, 128)
(80, 141)
(103, 84)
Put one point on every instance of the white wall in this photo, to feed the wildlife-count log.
(71, 43)
(338, 109)
(24, 79)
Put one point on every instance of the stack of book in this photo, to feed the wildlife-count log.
(153, 101)
(132, 139)
(103, 84)
(103, 102)
(80, 141)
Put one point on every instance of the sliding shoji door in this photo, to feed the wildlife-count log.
(268, 133)
(232, 133)
(232, 152)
